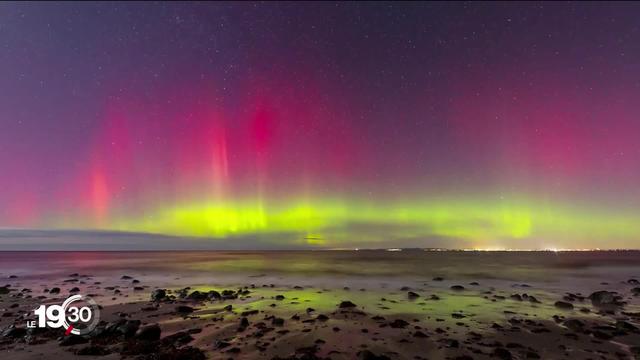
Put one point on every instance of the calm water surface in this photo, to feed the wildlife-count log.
(514, 266)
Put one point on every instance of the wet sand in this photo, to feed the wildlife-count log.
(315, 305)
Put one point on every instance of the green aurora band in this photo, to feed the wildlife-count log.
(331, 223)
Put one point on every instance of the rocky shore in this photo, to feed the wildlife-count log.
(433, 319)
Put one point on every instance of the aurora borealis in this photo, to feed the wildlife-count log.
(324, 125)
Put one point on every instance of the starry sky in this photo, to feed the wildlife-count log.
(321, 125)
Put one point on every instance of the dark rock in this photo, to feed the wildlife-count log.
(183, 309)
(249, 312)
(602, 335)
(457, 287)
(635, 291)
(13, 332)
(158, 294)
(73, 340)
(346, 305)
(451, 343)
(110, 329)
(126, 277)
(605, 298)
(516, 297)
(420, 334)
(458, 316)
(398, 324)
(244, 323)
(438, 278)
(220, 344)
(411, 295)
(178, 339)
(74, 290)
(4, 290)
(149, 333)
(530, 354)
(182, 293)
(172, 353)
(228, 295)
(626, 326)
(563, 305)
(574, 324)
(474, 283)
(279, 297)
(502, 353)
(93, 350)
(128, 328)
(633, 282)
(214, 295)
(277, 321)
(55, 290)
(198, 296)
(322, 317)
(228, 308)
(368, 355)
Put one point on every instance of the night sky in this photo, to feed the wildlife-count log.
(323, 125)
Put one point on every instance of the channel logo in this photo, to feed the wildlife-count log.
(78, 315)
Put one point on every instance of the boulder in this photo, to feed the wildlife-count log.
(13, 332)
(158, 294)
(605, 298)
(346, 305)
(149, 333)
(128, 328)
(368, 355)
(563, 305)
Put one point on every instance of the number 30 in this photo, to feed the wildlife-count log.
(83, 314)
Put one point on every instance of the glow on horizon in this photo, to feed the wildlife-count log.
(331, 223)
